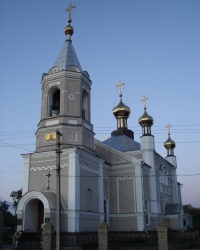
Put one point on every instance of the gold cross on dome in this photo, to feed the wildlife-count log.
(70, 9)
(168, 127)
(144, 100)
(119, 85)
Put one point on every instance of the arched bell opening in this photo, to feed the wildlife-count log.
(54, 102)
(85, 106)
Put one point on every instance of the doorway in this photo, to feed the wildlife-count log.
(34, 215)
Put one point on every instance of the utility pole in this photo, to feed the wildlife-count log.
(58, 210)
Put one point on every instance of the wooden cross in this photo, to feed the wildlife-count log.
(168, 127)
(70, 9)
(144, 99)
(48, 180)
(119, 85)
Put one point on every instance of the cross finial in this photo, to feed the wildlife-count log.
(48, 180)
(119, 85)
(168, 127)
(70, 10)
(144, 100)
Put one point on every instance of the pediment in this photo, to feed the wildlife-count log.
(118, 160)
(54, 70)
(111, 155)
(73, 68)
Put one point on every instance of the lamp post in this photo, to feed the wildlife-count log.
(58, 210)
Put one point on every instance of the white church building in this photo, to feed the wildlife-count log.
(120, 181)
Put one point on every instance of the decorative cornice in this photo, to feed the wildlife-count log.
(93, 171)
(124, 178)
(47, 167)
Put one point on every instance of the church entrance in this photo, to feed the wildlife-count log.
(40, 215)
(34, 215)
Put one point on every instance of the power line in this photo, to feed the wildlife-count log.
(114, 176)
(107, 127)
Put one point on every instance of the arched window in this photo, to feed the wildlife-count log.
(166, 177)
(85, 106)
(163, 175)
(105, 208)
(54, 102)
(89, 200)
(146, 212)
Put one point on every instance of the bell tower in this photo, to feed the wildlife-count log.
(66, 101)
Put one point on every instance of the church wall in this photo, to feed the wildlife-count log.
(89, 183)
(123, 223)
(158, 191)
(89, 223)
(88, 139)
(106, 182)
(167, 182)
(64, 180)
(64, 220)
(89, 193)
(122, 191)
(126, 194)
(75, 136)
(104, 154)
(73, 88)
(146, 185)
(40, 165)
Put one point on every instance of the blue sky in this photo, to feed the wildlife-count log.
(153, 46)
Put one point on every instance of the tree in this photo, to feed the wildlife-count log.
(16, 195)
(9, 219)
(4, 206)
(195, 213)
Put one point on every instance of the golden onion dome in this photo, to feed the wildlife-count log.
(69, 29)
(169, 143)
(145, 119)
(121, 110)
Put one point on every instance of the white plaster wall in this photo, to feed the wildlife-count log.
(148, 156)
(26, 173)
(74, 193)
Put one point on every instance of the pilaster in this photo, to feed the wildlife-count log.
(148, 156)
(139, 198)
(74, 192)
(101, 191)
(172, 160)
(26, 173)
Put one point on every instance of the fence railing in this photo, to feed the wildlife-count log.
(86, 240)
(111, 240)
(184, 240)
(132, 240)
(23, 241)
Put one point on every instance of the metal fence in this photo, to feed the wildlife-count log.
(116, 241)
(24, 241)
(133, 240)
(184, 240)
(85, 240)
